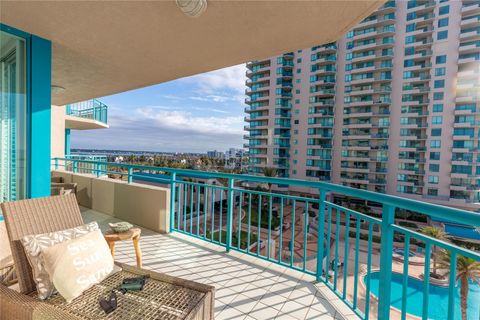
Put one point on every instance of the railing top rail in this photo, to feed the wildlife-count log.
(429, 209)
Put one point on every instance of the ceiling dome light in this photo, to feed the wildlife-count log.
(57, 89)
(192, 8)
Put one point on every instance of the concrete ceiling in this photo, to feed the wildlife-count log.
(105, 47)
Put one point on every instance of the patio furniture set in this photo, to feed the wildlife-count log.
(162, 296)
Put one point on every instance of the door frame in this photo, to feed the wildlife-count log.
(38, 105)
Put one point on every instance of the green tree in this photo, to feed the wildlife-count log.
(468, 269)
(270, 172)
(436, 233)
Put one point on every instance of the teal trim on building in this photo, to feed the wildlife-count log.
(40, 116)
(67, 142)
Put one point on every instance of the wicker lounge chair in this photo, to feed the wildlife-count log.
(164, 297)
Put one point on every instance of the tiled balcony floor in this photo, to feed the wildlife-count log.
(246, 287)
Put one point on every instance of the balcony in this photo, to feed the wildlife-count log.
(90, 114)
(272, 254)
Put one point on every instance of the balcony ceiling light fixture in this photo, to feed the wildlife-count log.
(192, 8)
(57, 89)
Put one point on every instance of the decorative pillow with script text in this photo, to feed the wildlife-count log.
(33, 245)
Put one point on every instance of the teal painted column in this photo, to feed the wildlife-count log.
(386, 249)
(67, 142)
(40, 116)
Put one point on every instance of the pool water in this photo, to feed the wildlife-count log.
(438, 297)
(401, 252)
(462, 231)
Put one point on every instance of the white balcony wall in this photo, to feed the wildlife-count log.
(143, 205)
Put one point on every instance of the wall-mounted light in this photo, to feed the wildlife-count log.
(57, 89)
(192, 8)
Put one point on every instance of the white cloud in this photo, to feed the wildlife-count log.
(231, 78)
(204, 113)
(182, 120)
(154, 129)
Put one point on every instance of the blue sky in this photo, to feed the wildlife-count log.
(193, 114)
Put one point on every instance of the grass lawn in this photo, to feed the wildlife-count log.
(243, 238)
(275, 222)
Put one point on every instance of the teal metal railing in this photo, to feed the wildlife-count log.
(311, 234)
(90, 109)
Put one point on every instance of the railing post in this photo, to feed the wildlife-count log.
(74, 164)
(56, 163)
(97, 169)
(130, 173)
(94, 111)
(321, 233)
(173, 188)
(386, 249)
(231, 204)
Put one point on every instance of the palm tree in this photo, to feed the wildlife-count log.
(436, 233)
(468, 269)
(270, 172)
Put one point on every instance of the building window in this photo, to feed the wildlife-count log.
(439, 84)
(299, 60)
(441, 59)
(442, 35)
(410, 27)
(436, 132)
(444, 10)
(297, 91)
(409, 51)
(435, 144)
(437, 120)
(438, 96)
(438, 107)
(443, 22)
(433, 192)
(433, 179)
(433, 167)
(434, 155)
(440, 71)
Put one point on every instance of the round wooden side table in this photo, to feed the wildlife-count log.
(132, 234)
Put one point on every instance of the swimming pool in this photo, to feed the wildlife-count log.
(401, 252)
(462, 231)
(438, 297)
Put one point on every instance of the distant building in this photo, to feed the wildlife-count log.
(392, 107)
(215, 154)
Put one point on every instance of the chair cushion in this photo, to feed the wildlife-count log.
(33, 245)
(76, 265)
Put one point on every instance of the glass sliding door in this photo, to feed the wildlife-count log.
(13, 117)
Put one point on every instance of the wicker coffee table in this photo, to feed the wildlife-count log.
(164, 298)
